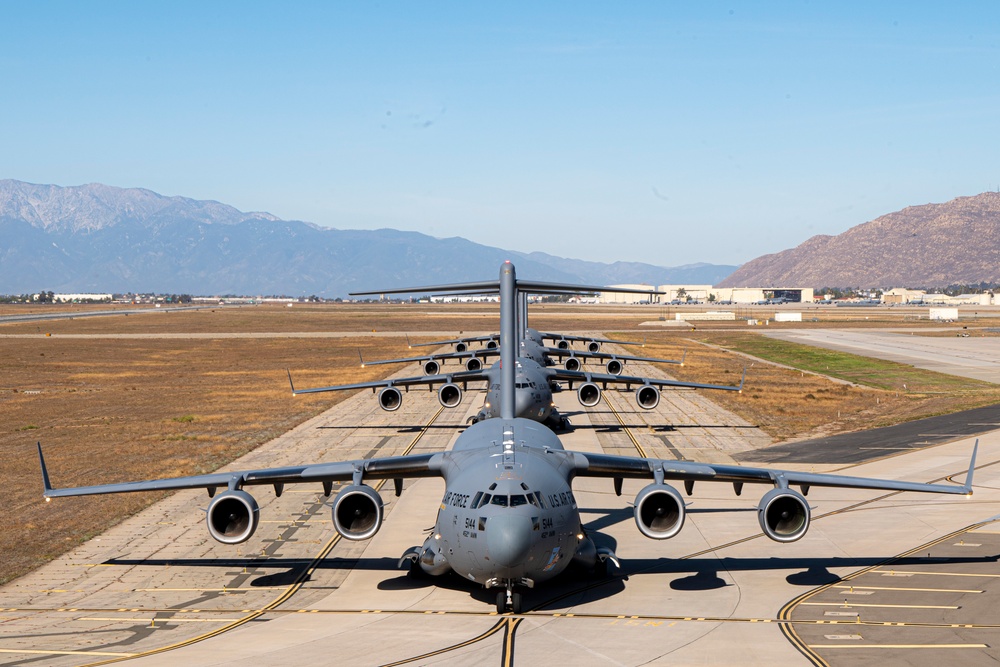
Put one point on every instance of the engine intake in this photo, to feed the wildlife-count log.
(473, 364)
(389, 399)
(572, 364)
(232, 517)
(563, 344)
(450, 395)
(593, 346)
(492, 344)
(783, 515)
(431, 367)
(615, 367)
(461, 347)
(659, 511)
(647, 396)
(589, 394)
(357, 512)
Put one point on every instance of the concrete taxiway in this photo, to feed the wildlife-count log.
(973, 357)
(920, 571)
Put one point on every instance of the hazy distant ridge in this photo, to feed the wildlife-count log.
(920, 246)
(98, 238)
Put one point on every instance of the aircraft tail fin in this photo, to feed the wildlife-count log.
(972, 468)
(45, 472)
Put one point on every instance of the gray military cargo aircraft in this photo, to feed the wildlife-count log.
(508, 519)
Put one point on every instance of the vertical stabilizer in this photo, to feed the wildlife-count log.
(508, 339)
(522, 315)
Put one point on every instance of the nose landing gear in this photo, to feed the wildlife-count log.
(509, 600)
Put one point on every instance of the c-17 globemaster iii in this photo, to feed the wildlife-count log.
(508, 519)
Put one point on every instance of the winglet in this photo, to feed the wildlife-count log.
(363, 359)
(409, 346)
(972, 469)
(684, 356)
(290, 383)
(45, 472)
(743, 379)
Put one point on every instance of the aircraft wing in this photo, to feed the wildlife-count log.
(606, 378)
(471, 339)
(434, 357)
(415, 465)
(586, 354)
(441, 378)
(605, 465)
(585, 339)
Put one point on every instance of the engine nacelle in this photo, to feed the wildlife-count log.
(232, 517)
(461, 347)
(473, 364)
(563, 344)
(492, 344)
(572, 364)
(647, 397)
(593, 346)
(783, 515)
(431, 367)
(589, 394)
(389, 399)
(615, 367)
(450, 395)
(357, 512)
(659, 511)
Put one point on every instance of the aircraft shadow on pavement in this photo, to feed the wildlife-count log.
(810, 572)
(575, 584)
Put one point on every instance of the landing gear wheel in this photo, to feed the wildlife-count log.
(502, 602)
(515, 602)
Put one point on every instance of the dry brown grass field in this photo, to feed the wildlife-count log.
(166, 393)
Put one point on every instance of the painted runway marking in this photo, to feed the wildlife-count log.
(923, 590)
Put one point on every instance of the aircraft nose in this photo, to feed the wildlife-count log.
(508, 539)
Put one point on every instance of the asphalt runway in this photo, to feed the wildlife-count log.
(156, 590)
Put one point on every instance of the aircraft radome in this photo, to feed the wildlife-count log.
(508, 519)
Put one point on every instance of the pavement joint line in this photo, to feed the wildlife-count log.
(54, 652)
(161, 621)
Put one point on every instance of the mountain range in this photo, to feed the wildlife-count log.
(99, 238)
(934, 245)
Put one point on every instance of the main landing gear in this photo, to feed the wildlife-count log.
(509, 600)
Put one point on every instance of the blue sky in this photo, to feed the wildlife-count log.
(668, 133)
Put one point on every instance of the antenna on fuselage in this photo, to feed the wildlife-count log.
(508, 339)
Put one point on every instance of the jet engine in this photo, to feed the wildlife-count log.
(589, 394)
(593, 346)
(614, 367)
(389, 399)
(431, 367)
(473, 364)
(572, 364)
(357, 512)
(461, 347)
(232, 517)
(492, 344)
(783, 515)
(659, 511)
(563, 344)
(450, 395)
(647, 396)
